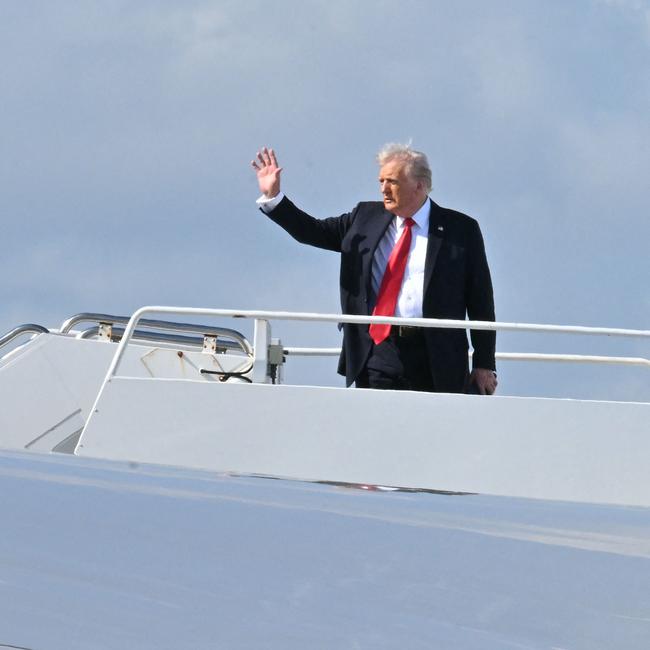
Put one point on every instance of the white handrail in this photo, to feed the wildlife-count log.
(349, 318)
(27, 328)
(392, 320)
(501, 356)
(571, 358)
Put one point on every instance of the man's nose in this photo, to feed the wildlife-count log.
(384, 187)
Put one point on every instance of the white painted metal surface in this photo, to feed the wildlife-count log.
(48, 386)
(161, 408)
(543, 448)
(99, 556)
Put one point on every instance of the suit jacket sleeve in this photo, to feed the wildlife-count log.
(480, 302)
(323, 233)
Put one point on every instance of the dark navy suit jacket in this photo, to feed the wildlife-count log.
(456, 283)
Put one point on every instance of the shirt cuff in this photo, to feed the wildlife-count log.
(267, 205)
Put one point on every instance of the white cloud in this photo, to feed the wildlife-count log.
(635, 5)
(641, 9)
(607, 154)
(508, 73)
(199, 33)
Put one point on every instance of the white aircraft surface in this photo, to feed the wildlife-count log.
(99, 555)
(171, 492)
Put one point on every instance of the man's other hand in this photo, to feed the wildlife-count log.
(484, 380)
(268, 172)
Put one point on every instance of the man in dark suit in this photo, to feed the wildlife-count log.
(406, 257)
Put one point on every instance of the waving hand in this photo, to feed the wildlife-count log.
(268, 172)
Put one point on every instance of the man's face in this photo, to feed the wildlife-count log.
(402, 195)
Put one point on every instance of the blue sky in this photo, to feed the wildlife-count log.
(127, 130)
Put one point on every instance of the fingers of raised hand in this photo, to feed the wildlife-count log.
(260, 163)
(265, 158)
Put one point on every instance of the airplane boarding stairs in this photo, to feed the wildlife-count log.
(204, 397)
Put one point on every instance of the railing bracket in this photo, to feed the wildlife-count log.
(105, 331)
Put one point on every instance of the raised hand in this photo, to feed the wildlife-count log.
(268, 172)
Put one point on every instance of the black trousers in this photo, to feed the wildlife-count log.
(400, 362)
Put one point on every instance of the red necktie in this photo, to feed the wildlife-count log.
(391, 283)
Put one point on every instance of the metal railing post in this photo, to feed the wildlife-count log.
(261, 342)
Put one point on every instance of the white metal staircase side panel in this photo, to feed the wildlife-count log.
(36, 407)
(530, 447)
(48, 386)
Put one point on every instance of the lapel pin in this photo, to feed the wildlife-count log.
(440, 228)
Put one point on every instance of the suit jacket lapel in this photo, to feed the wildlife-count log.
(436, 235)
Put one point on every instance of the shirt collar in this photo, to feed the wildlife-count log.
(421, 217)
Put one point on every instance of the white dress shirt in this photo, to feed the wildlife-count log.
(409, 301)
